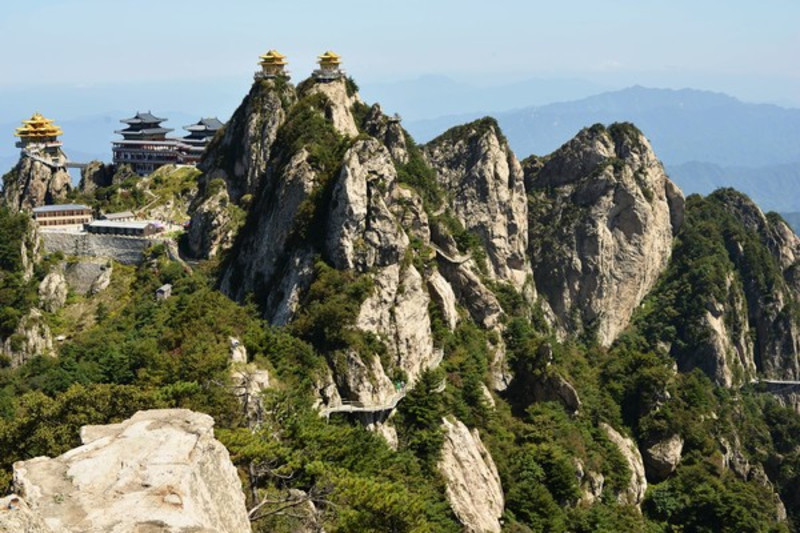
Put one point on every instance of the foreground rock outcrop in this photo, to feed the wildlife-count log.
(473, 484)
(602, 218)
(160, 470)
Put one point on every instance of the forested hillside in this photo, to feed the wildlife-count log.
(438, 337)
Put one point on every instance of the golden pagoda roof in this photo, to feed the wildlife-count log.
(330, 58)
(38, 127)
(273, 57)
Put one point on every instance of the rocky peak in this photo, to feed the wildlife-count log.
(33, 183)
(340, 98)
(241, 150)
(388, 131)
(602, 218)
(484, 178)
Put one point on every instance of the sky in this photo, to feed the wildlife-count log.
(746, 49)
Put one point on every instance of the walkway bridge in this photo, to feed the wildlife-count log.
(360, 407)
(63, 163)
(777, 386)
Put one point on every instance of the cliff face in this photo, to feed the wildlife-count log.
(730, 295)
(602, 218)
(159, 470)
(32, 183)
(240, 153)
(487, 193)
(327, 195)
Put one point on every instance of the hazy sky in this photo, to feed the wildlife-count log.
(748, 49)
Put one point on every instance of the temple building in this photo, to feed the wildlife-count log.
(329, 67)
(145, 145)
(38, 137)
(273, 65)
(191, 146)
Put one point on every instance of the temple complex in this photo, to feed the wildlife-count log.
(273, 65)
(145, 145)
(329, 67)
(191, 146)
(38, 138)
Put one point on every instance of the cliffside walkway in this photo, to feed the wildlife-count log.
(359, 407)
(777, 386)
(45, 161)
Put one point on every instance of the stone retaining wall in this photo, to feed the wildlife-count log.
(126, 250)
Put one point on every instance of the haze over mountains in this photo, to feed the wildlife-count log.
(706, 140)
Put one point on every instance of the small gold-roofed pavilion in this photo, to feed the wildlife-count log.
(38, 129)
(329, 67)
(329, 60)
(273, 64)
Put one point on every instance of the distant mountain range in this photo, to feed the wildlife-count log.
(706, 140)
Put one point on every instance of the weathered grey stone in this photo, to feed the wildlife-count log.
(662, 458)
(486, 185)
(53, 291)
(88, 275)
(126, 250)
(603, 216)
(160, 469)
(31, 338)
(442, 294)
(637, 486)
(473, 484)
(211, 229)
(388, 131)
(32, 183)
(240, 154)
(339, 105)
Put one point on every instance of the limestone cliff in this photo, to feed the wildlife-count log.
(735, 317)
(487, 194)
(327, 195)
(33, 183)
(239, 154)
(602, 218)
(473, 484)
(157, 471)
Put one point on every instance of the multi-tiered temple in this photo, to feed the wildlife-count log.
(38, 138)
(145, 145)
(191, 147)
(273, 65)
(329, 69)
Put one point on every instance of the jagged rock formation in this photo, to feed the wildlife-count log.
(662, 458)
(388, 131)
(239, 154)
(32, 183)
(340, 101)
(212, 229)
(53, 291)
(486, 185)
(88, 275)
(473, 484)
(95, 175)
(360, 228)
(159, 470)
(602, 217)
(31, 338)
(637, 486)
(738, 318)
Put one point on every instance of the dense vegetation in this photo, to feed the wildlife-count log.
(560, 470)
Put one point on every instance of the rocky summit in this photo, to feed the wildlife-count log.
(359, 333)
